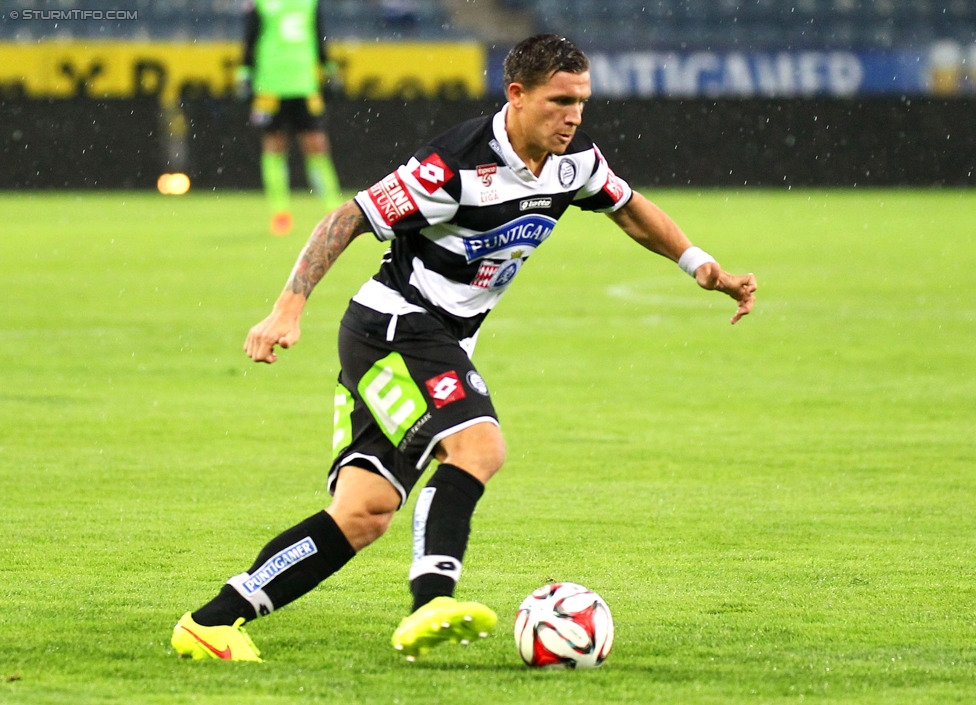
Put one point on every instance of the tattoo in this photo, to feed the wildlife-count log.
(331, 236)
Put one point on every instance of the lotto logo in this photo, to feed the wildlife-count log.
(445, 388)
(432, 173)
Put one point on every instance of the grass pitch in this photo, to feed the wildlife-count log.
(778, 511)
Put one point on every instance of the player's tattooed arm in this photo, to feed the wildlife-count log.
(281, 328)
(328, 240)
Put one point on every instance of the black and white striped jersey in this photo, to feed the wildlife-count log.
(465, 213)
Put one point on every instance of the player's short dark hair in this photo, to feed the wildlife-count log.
(532, 61)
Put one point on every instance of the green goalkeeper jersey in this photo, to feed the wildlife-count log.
(287, 49)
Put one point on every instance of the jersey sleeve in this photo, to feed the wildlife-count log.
(604, 191)
(423, 192)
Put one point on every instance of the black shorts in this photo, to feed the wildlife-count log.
(405, 384)
(274, 114)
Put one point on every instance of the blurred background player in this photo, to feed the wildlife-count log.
(283, 66)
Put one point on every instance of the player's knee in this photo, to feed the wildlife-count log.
(361, 526)
(479, 450)
(363, 506)
(314, 143)
(495, 455)
(374, 524)
(276, 142)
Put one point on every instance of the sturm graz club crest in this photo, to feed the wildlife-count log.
(477, 383)
(567, 172)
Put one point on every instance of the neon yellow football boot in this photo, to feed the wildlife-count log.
(192, 640)
(440, 620)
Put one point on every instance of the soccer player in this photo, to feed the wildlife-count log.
(284, 61)
(462, 216)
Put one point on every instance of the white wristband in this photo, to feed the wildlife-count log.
(693, 258)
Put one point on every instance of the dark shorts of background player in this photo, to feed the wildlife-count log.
(435, 372)
(273, 114)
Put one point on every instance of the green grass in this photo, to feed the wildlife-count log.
(778, 511)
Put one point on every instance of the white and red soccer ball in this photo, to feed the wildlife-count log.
(563, 625)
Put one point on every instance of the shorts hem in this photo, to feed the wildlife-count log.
(425, 458)
(377, 466)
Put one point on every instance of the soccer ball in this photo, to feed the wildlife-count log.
(563, 625)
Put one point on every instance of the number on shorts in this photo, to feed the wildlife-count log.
(392, 396)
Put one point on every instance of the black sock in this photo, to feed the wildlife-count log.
(292, 564)
(441, 525)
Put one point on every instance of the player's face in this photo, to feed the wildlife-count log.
(551, 112)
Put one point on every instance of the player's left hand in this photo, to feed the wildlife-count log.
(330, 80)
(742, 288)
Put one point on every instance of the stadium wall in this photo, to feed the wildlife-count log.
(876, 141)
(79, 143)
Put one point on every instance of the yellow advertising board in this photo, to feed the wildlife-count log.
(120, 69)
(411, 69)
(117, 69)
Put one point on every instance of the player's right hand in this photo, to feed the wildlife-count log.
(243, 91)
(242, 84)
(275, 330)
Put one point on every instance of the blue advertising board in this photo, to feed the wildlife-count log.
(773, 74)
